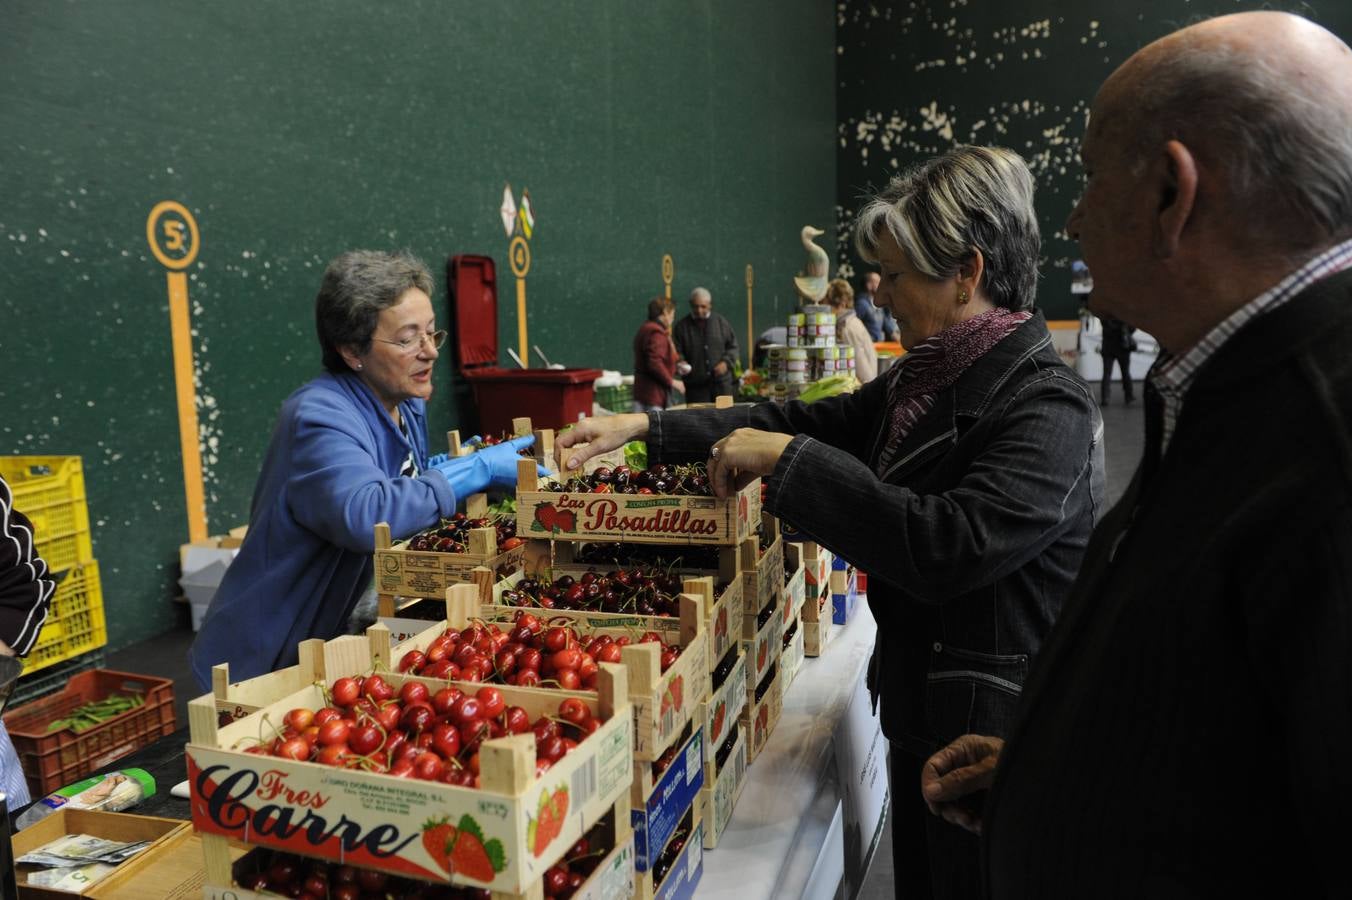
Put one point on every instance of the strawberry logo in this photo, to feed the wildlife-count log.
(671, 700)
(549, 519)
(716, 730)
(761, 654)
(548, 821)
(461, 849)
(721, 623)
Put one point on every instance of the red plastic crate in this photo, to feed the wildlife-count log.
(51, 761)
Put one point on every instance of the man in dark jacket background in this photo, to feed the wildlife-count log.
(1183, 732)
(707, 344)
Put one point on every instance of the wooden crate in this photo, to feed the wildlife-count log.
(761, 644)
(817, 605)
(400, 572)
(763, 573)
(761, 716)
(658, 804)
(721, 792)
(663, 702)
(816, 635)
(634, 518)
(724, 706)
(543, 450)
(374, 820)
(112, 826)
(795, 578)
(682, 879)
(817, 561)
(613, 878)
(791, 658)
(722, 611)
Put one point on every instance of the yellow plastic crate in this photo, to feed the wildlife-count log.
(75, 623)
(50, 491)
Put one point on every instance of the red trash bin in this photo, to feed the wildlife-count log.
(551, 398)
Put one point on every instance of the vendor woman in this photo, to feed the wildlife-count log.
(964, 482)
(349, 450)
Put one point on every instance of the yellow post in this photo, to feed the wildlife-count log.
(174, 240)
(519, 255)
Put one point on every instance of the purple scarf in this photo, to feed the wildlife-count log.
(934, 364)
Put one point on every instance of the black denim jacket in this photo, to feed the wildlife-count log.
(971, 540)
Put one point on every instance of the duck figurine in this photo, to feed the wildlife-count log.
(811, 284)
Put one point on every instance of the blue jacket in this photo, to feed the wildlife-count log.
(331, 473)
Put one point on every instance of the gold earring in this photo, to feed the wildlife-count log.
(962, 295)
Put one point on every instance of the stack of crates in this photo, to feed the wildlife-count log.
(50, 491)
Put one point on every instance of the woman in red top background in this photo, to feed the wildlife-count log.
(655, 358)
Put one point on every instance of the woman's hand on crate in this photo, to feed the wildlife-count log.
(743, 455)
(592, 437)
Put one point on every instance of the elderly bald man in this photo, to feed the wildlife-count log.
(707, 344)
(1183, 733)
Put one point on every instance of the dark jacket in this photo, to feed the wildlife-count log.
(703, 346)
(26, 587)
(972, 539)
(1186, 731)
(1117, 337)
(654, 364)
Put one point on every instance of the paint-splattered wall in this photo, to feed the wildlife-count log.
(915, 78)
(294, 131)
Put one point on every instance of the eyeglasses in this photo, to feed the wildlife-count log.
(414, 344)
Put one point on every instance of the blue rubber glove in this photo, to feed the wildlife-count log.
(439, 458)
(491, 467)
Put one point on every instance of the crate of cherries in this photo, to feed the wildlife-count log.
(662, 504)
(667, 664)
(433, 560)
(506, 778)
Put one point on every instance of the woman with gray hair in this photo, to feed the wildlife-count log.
(349, 450)
(965, 482)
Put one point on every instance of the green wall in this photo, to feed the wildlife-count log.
(294, 131)
(914, 78)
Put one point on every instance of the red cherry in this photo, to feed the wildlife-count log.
(568, 679)
(444, 699)
(334, 733)
(413, 661)
(468, 710)
(491, 702)
(572, 709)
(300, 719)
(413, 692)
(517, 720)
(294, 748)
(345, 692)
(417, 718)
(446, 740)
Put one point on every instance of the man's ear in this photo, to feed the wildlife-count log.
(1177, 195)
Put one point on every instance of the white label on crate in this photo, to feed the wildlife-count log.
(692, 758)
(696, 855)
(584, 784)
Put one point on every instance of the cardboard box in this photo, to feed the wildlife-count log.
(657, 807)
(203, 564)
(843, 602)
(113, 826)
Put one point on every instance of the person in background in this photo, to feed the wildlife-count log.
(1116, 346)
(965, 482)
(655, 358)
(850, 331)
(707, 344)
(879, 321)
(1185, 731)
(349, 451)
(26, 590)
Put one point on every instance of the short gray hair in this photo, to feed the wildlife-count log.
(1286, 153)
(701, 291)
(357, 285)
(970, 198)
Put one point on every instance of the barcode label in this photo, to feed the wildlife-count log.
(739, 769)
(692, 759)
(584, 784)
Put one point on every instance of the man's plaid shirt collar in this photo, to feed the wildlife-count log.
(1171, 376)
